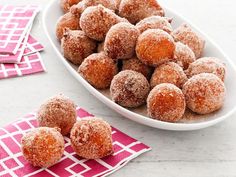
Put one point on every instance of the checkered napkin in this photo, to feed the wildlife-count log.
(16, 58)
(32, 46)
(30, 64)
(12, 163)
(15, 21)
(18, 49)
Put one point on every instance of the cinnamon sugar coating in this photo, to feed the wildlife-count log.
(66, 4)
(207, 65)
(91, 138)
(154, 22)
(183, 55)
(81, 6)
(76, 46)
(187, 36)
(120, 41)
(58, 111)
(135, 64)
(166, 102)
(136, 10)
(204, 93)
(98, 69)
(169, 73)
(155, 47)
(96, 21)
(43, 146)
(129, 89)
(67, 20)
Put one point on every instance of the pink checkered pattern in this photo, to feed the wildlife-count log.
(12, 163)
(14, 23)
(33, 46)
(29, 64)
(16, 58)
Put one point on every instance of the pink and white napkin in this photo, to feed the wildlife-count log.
(33, 46)
(12, 163)
(16, 58)
(18, 49)
(30, 64)
(14, 24)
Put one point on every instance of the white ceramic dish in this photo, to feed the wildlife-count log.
(53, 12)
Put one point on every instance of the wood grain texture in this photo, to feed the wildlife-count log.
(205, 153)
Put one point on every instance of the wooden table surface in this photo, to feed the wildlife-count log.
(209, 152)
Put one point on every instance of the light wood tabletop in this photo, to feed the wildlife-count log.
(209, 152)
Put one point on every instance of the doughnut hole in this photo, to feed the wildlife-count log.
(168, 73)
(204, 93)
(166, 102)
(155, 47)
(99, 70)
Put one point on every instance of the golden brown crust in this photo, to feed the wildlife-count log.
(120, 41)
(42, 146)
(80, 7)
(76, 46)
(91, 138)
(154, 22)
(96, 21)
(58, 111)
(136, 10)
(207, 65)
(166, 103)
(187, 36)
(135, 64)
(98, 69)
(204, 93)
(67, 4)
(155, 47)
(67, 20)
(129, 89)
(168, 73)
(183, 55)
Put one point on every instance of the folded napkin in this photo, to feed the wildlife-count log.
(30, 64)
(33, 46)
(16, 58)
(14, 24)
(12, 163)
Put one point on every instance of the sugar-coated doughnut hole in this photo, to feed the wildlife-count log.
(80, 7)
(129, 89)
(43, 146)
(67, 20)
(58, 111)
(96, 21)
(183, 55)
(166, 102)
(154, 22)
(155, 47)
(98, 69)
(169, 72)
(135, 64)
(207, 65)
(76, 46)
(187, 36)
(204, 93)
(120, 41)
(91, 138)
(66, 4)
(136, 10)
